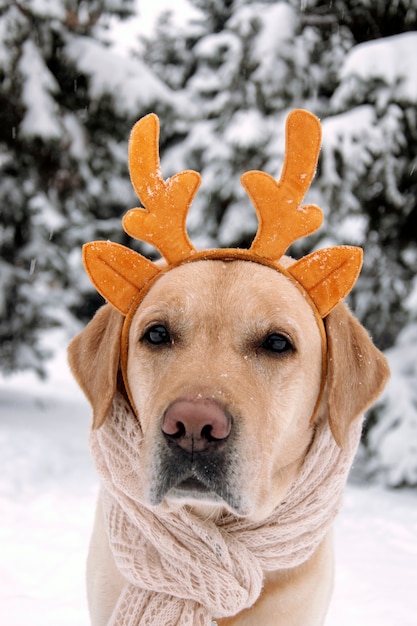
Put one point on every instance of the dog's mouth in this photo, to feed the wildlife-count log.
(208, 478)
(185, 484)
(193, 488)
(192, 484)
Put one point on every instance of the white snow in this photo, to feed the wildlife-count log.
(39, 89)
(47, 498)
(279, 23)
(359, 139)
(271, 29)
(218, 57)
(47, 493)
(376, 559)
(354, 229)
(125, 35)
(44, 8)
(247, 129)
(393, 440)
(345, 133)
(391, 61)
(113, 74)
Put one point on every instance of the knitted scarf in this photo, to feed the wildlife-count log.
(181, 570)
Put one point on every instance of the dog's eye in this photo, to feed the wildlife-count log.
(157, 335)
(277, 343)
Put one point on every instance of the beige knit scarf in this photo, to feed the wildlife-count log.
(183, 570)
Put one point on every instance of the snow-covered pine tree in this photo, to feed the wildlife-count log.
(243, 65)
(369, 164)
(370, 158)
(67, 103)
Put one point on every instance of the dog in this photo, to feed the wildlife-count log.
(229, 375)
(227, 358)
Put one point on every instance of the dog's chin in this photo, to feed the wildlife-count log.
(193, 492)
(194, 489)
(207, 506)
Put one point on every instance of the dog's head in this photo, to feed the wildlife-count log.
(224, 366)
(226, 360)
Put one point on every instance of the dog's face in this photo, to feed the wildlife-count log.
(224, 367)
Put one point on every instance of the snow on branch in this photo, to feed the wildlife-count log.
(393, 441)
(41, 117)
(390, 61)
(128, 81)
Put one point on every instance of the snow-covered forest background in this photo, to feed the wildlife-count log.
(222, 75)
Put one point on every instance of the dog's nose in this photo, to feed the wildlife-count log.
(195, 425)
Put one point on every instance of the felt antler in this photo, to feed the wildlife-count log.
(281, 218)
(119, 273)
(327, 275)
(162, 223)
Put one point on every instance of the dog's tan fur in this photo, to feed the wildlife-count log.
(219, 313)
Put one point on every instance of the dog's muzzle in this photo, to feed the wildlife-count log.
(196, 458)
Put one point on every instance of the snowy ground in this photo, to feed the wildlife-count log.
(47, 497)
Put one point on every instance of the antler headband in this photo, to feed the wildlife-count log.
(121, 274)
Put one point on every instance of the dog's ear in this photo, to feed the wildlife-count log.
(94, 360)
(357, 370)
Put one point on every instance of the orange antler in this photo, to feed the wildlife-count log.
(162, 222)
(281, 218)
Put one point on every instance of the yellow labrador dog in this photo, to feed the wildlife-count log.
(229, 385)
(228, 357)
